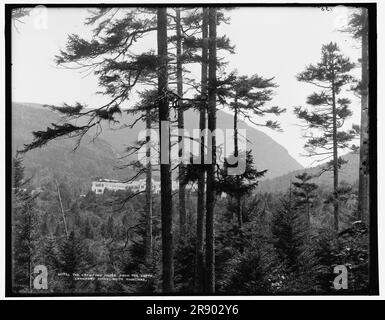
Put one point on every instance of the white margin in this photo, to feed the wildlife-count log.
(380, 161)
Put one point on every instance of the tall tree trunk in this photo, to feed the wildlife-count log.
(210, 192)
(236, 153)
(363, 192)
(179, 79)
(62, 209)
(335, 162)
(30, 248)
(165, 164)
(235, 127)
(148, 244)
(199, 261)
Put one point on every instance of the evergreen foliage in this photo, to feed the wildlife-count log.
(24, 229)
(284, 241)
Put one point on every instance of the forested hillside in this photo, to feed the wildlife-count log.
(100, 157)
(348, 174)
(268, 154)
(91, 159)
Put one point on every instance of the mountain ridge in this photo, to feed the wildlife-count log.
(101, 157)
(347, 174)
(268, 154)
(57, 158)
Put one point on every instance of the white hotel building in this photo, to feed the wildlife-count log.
(100, 185)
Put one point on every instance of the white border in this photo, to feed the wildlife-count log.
(380, 156)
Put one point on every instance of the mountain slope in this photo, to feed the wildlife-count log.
(268, 154)
(99, 158)
(57, 157)
(348, 173)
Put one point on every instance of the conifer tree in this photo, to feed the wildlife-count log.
(358, 27)
(24, 232)
(149, 241)
(241, 185)
(18, 15)
(110, 230)
(188, 22)
(199, 260)
(210, 191)
(148, 107)
(247, 96)
(293, 246)
(50, 253)
(87, 230)
(180, 112)
(165, 161)
(328, 112)
(73, 258)
(51, 259)
(304, 193)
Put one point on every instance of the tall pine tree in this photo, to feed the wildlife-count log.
(247, 97)
(23, 229)
(165, 161)
(358, 28)
(199, 260)
(328, 112)
(210, 190)
(304, 192)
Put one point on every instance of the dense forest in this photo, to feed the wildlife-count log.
(230, 227)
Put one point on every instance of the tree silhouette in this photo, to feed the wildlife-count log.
(24, 233)
(304, 193)
(358, 28)
(247, 97)
(328, 112)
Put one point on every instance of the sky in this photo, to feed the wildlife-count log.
(271, 42)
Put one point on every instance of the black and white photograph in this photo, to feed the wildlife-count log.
(191, 149)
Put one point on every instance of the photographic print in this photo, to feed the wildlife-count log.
(191, 150)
